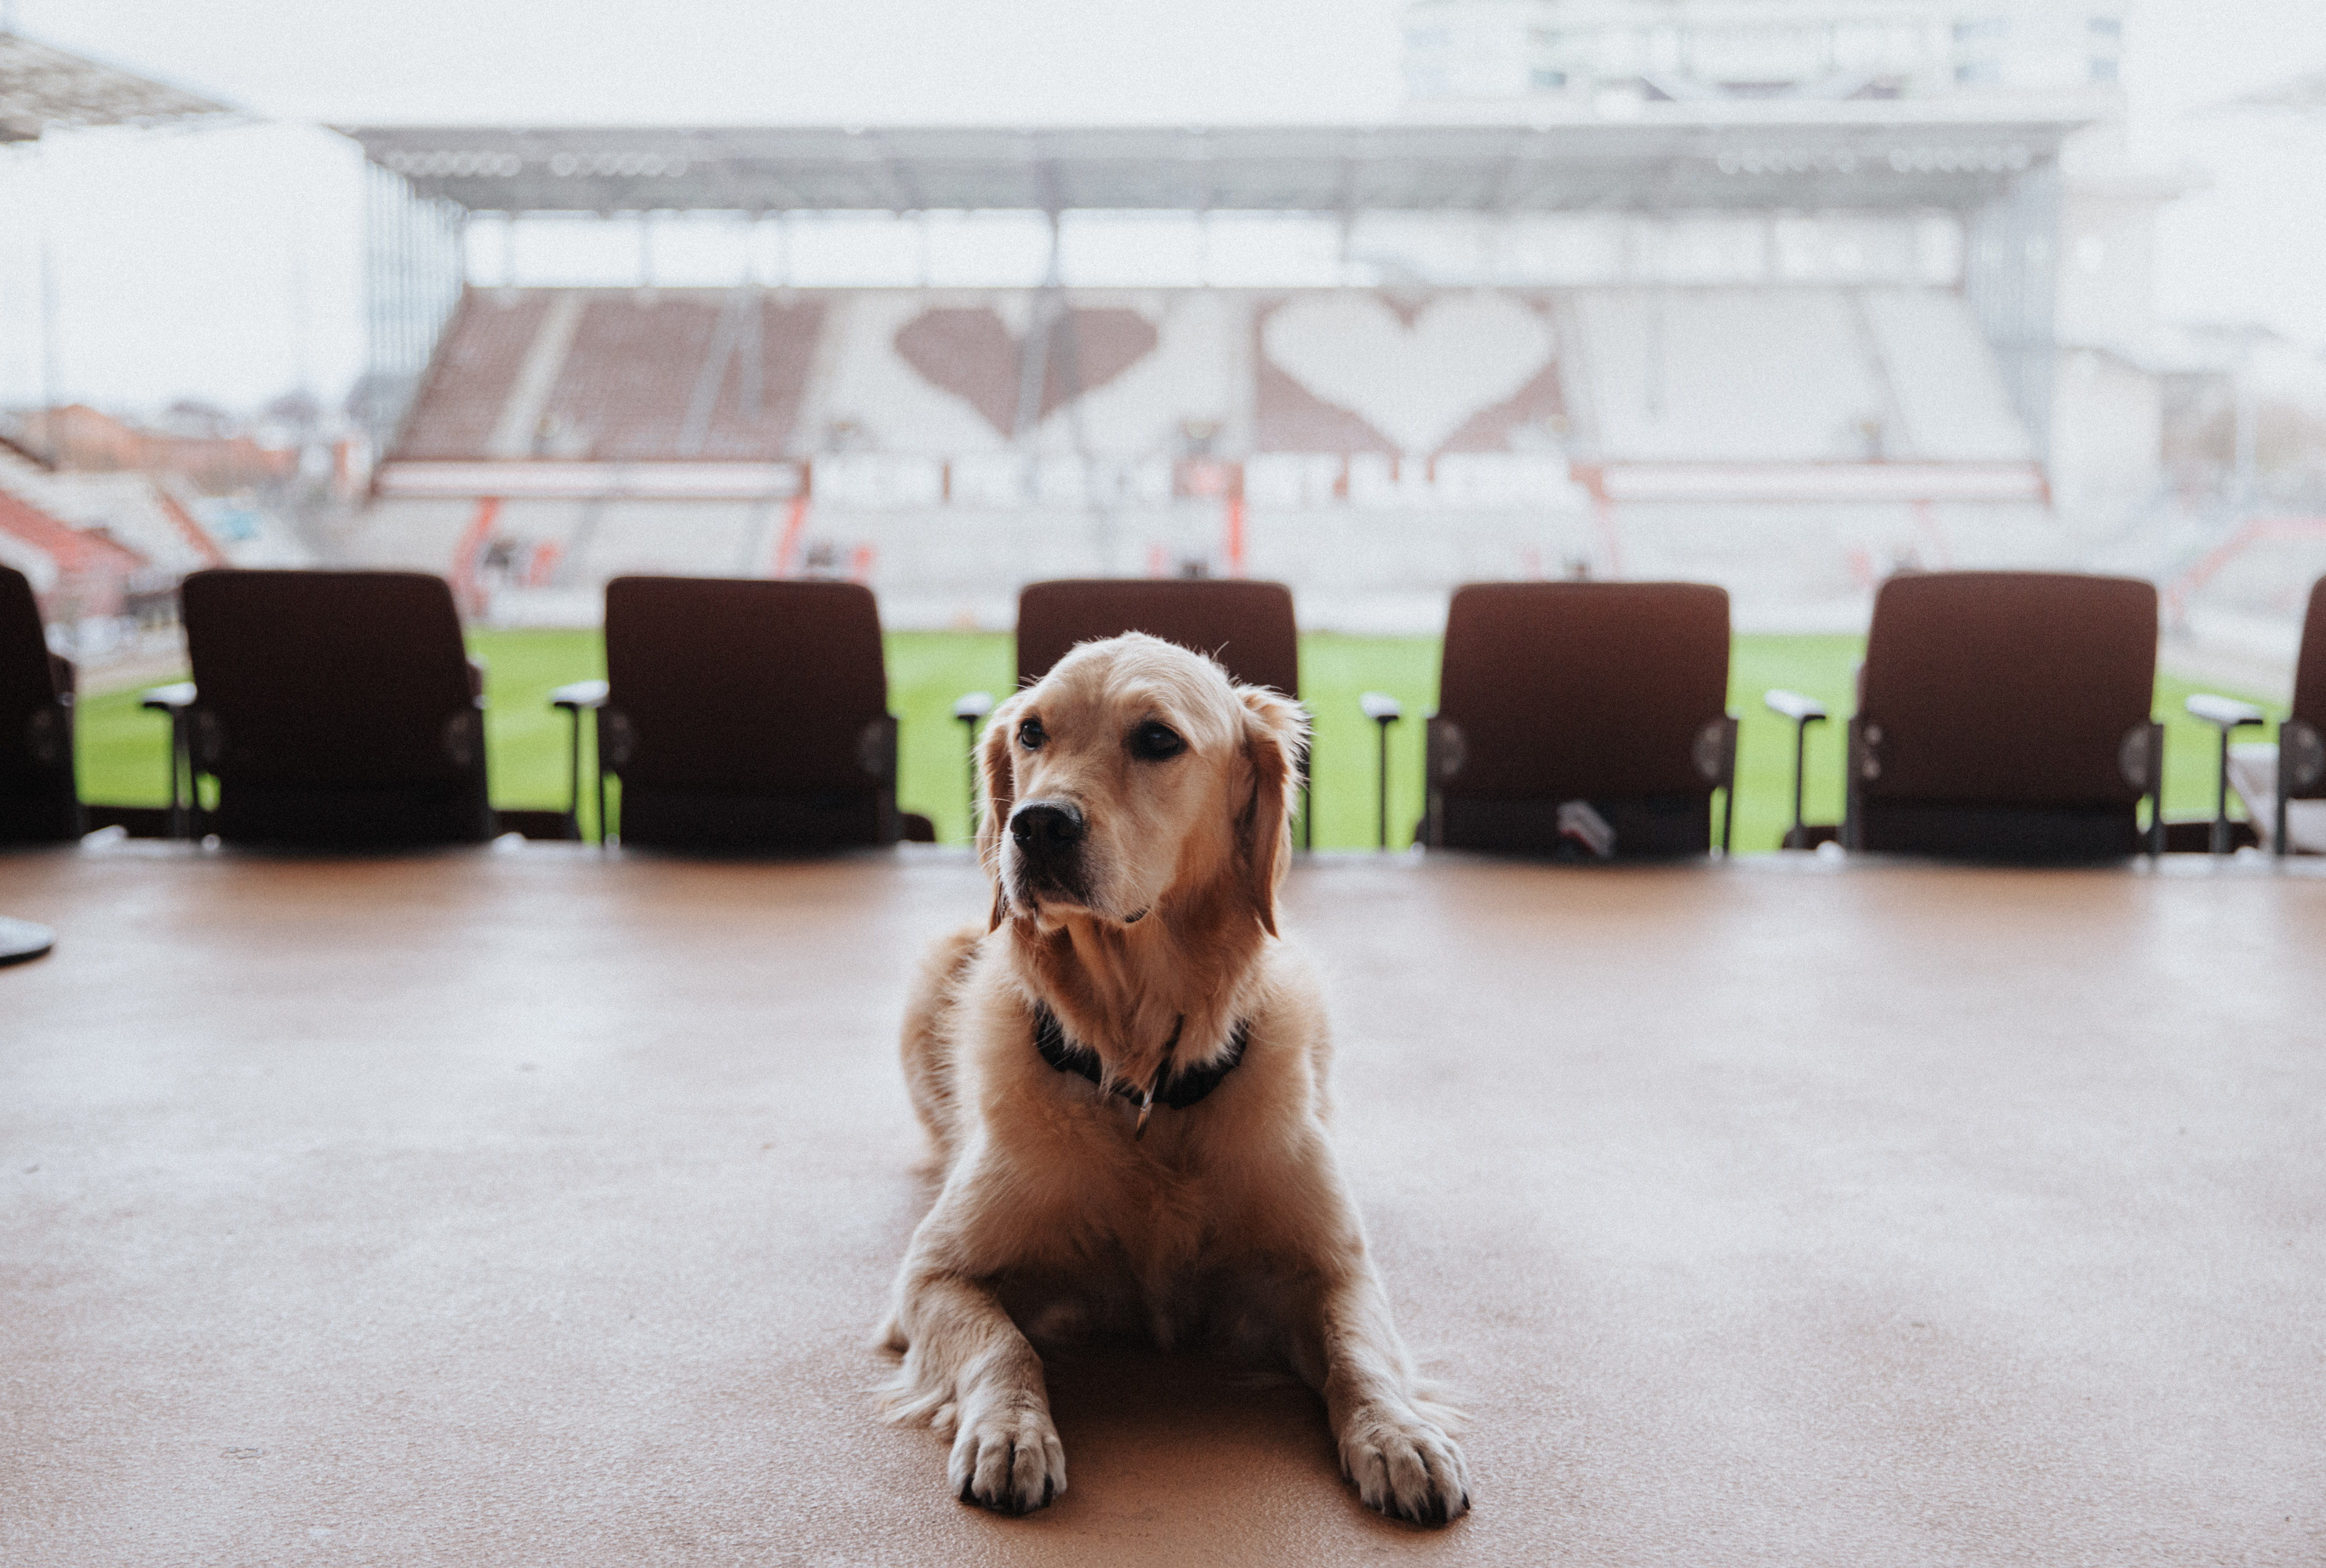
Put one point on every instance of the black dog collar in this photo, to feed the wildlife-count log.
(1178, 1090)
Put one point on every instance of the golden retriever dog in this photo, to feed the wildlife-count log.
(1124, 1075)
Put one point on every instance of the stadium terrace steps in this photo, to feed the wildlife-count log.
(84, 569)
(613, 375)
(474, 368)
(134, 510)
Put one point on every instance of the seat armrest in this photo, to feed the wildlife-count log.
(170, 698)
(1794, 705)
(972, 706)
(2223, 712)
(1381, 707)
(578, 695)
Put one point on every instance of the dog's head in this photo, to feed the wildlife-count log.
(1134, 775)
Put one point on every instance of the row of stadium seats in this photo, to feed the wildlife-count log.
(2002, 715)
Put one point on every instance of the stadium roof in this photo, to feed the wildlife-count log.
(45, 89)
(1842, 155)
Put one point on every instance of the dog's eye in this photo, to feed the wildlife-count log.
(1154, 741)
(1030, 735)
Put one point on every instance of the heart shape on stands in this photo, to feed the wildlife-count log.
(1417, 382)
(972, 355)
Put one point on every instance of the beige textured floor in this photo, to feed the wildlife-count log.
(500, 1208)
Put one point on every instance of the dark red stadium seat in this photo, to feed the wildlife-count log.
(2302, 738)
(335, 708)
(748, 715)
(2005, 716)
(1248, 626)
(1613, 694)
(38, 804)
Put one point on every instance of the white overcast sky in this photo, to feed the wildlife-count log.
(226, 264)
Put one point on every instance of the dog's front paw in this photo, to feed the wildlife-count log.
(1007, 1457)
(1404, 1465)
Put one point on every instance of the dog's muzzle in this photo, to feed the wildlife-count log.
(1048, 836)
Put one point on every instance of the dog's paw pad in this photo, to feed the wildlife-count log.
(1405, 1466)
(1009, 1460)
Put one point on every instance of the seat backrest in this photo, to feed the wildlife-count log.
(27, 683)
(2310, 669)
(332, 677)
(1583, 690)
(2007, 688)
(1247, 626)
(730, 684)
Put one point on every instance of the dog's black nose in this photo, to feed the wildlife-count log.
(1046, 828)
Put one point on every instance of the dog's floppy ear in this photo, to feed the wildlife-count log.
(996, 793)
(1275, 745)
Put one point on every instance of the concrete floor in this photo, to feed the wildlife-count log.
(509, 1208)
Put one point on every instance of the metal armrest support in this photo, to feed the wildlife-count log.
(2225, 714)
(176, 699)
(1803, 711)
(970, 709)
(573, 699)
(1384, 710)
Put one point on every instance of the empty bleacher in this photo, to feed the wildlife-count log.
(614, 375)
(468, 382)
(1742, 380)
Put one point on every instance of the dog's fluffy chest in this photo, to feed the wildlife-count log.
(1087, 1190)
(1149, 1255)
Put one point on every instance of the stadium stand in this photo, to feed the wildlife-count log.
(1735, 375)
(134, 510)
(1805, 375)
(475, 370)
(614, 374)
(1792, 352)
(74, 573)
(1390, 444)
